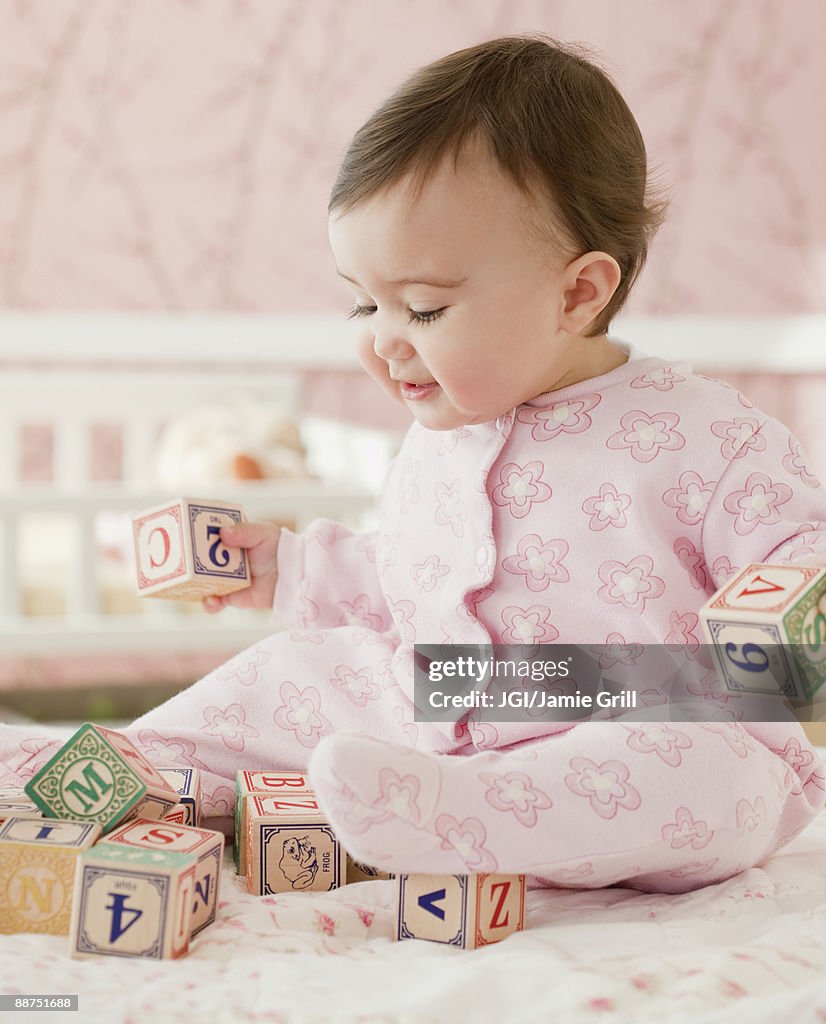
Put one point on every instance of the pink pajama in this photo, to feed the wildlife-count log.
(605, 513)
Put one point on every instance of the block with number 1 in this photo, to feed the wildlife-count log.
(179, 554)
(767, 632)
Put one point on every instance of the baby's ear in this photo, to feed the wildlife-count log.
(588, 283)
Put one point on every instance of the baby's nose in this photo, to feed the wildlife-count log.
(390, 344)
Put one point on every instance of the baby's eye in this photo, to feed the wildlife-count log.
(414, 318)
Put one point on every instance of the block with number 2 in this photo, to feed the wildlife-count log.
(179, 554)
(768, 632)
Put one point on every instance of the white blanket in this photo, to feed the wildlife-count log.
(750, 949)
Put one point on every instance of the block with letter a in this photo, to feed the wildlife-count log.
(767, 631)
(467, 911)
(179, 554)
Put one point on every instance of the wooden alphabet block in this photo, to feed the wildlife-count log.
(14, 803)
(187, 784)
(37, 870)
(98, 775)
(207, 845)
(291, 847)
(767, 633)
(179, 554)
(132, 901)
(270, 782)
(467, 911)
(177, 815)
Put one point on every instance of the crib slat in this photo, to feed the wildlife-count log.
(10, 591)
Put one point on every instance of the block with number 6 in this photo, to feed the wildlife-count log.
(767, 632)
(467, 911)
(179, 554)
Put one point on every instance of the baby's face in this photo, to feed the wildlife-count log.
(484, 339)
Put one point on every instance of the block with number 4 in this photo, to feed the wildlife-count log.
(206, 844)
(179, 554)
(38, 857)
(98, 775)
(467, 911)
(132, 902)
(767, 632)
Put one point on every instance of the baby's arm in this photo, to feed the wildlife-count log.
(767, 506)
(326, 575)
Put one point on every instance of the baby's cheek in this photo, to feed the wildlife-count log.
(377, 368)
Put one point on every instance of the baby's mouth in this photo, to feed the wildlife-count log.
(417, 392)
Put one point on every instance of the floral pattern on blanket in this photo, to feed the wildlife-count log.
(755, 945)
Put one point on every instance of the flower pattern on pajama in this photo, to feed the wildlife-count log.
(604, 513)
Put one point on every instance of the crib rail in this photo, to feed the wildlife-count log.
(70, 379)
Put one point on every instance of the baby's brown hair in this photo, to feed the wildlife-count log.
(556, 124)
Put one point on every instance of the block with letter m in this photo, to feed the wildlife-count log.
(98, 775)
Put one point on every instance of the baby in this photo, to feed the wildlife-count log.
(556, 485)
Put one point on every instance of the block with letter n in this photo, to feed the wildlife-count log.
(767, 631)
(179, 554)
(38, 857)
(206, 844)
(99, 775)
(467, 911)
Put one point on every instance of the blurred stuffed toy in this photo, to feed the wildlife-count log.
(241, 439)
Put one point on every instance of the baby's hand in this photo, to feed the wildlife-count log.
(260, 541)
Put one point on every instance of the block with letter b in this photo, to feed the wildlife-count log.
(179, 554)
(206, 844)
(271, 782)
(291, 847)
(767, 632)
(132, 902)
(98, 775)
(467, 911)
(38, 857)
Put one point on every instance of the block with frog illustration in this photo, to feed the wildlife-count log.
(206, 844)
(767, 632)
(38, 857)
(98, 775)
(291, 846)
(179, 554)
(466, 911)
(132, 902)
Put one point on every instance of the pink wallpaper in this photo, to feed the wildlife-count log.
(177, 154)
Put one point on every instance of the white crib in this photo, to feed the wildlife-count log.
(71, 377)
(129, 373)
